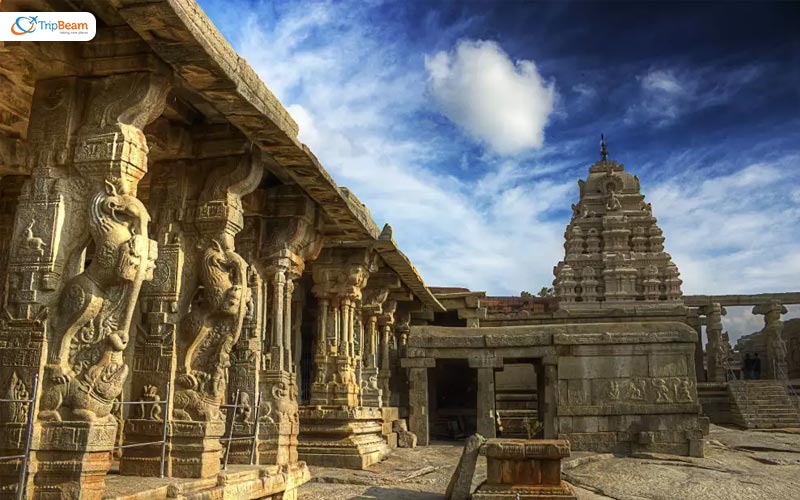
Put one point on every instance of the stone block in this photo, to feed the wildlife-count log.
(524, 469)
(400, 425)
(460, 485)
(668, 365)
(391, 440)
(406, 439)
(591, 367)
(585, 424)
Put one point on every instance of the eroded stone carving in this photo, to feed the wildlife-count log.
(85, 369)
(210, 331)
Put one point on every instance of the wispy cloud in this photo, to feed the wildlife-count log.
(666, 94)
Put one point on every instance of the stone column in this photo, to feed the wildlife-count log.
(88, 153)
(279, 420)
(550, 394)
(335, 430)
(419, 406)
(715, 350)
(487, 418)
(385, 374)
(290, 240)
(246, 357)
(693, 319)
(371, 393)
(775, 366)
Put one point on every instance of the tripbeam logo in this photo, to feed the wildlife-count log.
(47, 26)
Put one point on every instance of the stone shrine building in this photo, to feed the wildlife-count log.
(608, 364)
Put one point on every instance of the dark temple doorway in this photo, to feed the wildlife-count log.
(453, 393)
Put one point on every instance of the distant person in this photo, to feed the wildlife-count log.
(756, 368)
(747, 367)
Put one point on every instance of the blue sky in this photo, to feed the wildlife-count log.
(467, 124)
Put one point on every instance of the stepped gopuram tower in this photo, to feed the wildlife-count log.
(615, 260)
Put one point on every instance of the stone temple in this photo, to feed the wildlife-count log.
(184, 287)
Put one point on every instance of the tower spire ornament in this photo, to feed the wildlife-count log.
(603, 150)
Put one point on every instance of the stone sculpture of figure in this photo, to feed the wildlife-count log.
(576, 211)
(209, 332)
(684, 390)
(613, 203)
(150, 411)
(280, 405)
(245, 409)
(613, 391)
(662, 391)
(634, 392)
(31, 243)
(85, 369)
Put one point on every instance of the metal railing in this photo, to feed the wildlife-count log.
(25, 456)
(253, 438)
(164, 426)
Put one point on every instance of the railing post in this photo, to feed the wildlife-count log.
(230, 433)
(23, 470)
(164, 429)
(254, 444)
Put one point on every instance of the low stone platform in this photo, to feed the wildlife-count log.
(344, 437)
(242, 482)
(520, 469)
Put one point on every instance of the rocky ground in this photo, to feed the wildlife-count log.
(739, 465)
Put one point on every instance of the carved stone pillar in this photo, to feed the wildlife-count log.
(88, 153)
(371, 308)
(246, 357)
(338, 282)
(775, 366)
(387, 328)
(550, 396)
(290, 239)
(715, 350)
(194, 316)
(335, 430)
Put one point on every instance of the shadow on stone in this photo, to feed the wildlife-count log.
(398, 494)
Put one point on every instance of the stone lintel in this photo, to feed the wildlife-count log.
(418, 363)
(485, 362)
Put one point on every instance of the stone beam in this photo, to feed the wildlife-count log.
(787, 298)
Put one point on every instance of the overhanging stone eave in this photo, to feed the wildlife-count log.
(401, 265)
(180, 33)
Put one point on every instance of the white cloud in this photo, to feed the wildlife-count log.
(503, 103)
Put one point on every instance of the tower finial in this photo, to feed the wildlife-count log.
(603, 150)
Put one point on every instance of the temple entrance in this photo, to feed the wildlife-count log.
(517, 403)
(453, 393)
